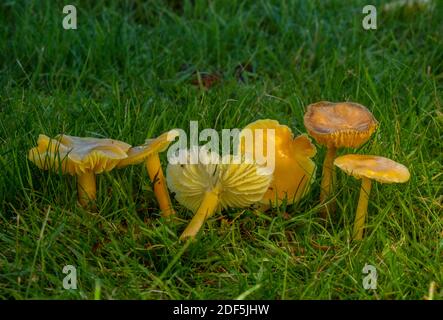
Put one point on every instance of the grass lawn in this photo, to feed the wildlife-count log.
(129, 72)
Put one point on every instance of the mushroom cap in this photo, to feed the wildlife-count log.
(294, 168)
(377, 168)
(238, 184)
(342, 124)
(138, 154)
(75, 155)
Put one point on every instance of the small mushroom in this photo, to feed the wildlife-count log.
(294, 167)
(149, 152)
(82, 157)
(337, 125)
(370, 168)
(214, 184)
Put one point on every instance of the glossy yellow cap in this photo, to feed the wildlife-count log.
(75, 155)
(377, 168)
(294, 168)
(138, 154)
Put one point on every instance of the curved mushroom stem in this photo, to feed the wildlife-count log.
(206, 209)
(159, 184)
(327, 182)
(86, 189)
(362, 208)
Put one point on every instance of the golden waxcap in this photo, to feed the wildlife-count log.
(377, 168)
(75, 155)
(342, 124)
(237, 185)
(294, 167)
(138, 154)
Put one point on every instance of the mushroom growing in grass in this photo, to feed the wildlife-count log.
(370, 168)
(149, 153)
(337, 125)
(294, 168)
(214, 183)
(82, 157)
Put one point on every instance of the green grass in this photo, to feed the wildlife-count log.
(126, 73)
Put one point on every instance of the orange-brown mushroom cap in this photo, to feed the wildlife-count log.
(377, 168)
(342, 124)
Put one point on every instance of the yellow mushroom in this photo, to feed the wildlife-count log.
(370, 168)
(149, 153)
(214, 184)
(294, 169)
(337, 125)
(82, 157)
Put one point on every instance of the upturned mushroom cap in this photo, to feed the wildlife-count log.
(239, 185)
(294, 167)
(138, 154)
(377, 168)
(75, 155)
(342, 124)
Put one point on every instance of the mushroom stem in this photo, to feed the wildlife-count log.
(159, 184)
(206, 209)
(362, 208)
(327, 182)
(86, 189)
